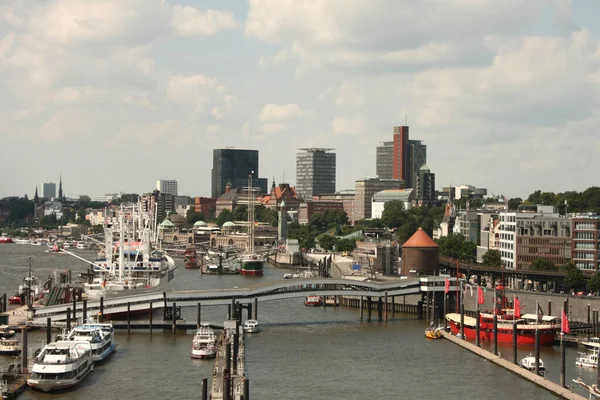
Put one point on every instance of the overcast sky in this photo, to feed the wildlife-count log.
(116, 94)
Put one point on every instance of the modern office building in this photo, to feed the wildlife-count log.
(408, 157)
(167, 186)
(365, 189)
(48, 190)
(384, 164)
(417, 157)
(233, 167)
(425, 186)
(585, 245)
(315, 172)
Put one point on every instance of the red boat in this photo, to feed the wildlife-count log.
(14, 299)
(547, 325)
(5, 239)
(191, 259)
(313, 301)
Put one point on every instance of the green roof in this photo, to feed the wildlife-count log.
(166, 224)
(199, 223)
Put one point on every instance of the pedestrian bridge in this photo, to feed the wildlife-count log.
(278, 290)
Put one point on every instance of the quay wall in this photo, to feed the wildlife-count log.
(577, 305)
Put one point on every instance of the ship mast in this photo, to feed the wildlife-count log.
(250, 214)
(121, 253)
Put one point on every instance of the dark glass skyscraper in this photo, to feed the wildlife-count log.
(234, 166)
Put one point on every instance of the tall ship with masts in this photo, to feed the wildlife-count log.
(251, 263)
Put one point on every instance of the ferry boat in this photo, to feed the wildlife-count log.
(9, 347)
(251, 326)
(191, 258)
(60, 365)
(589, 359)
(6, 332)
(204, 344)
(100, 337)
(5, 240)
(592, 344)
(547, 326)
(529, 364)
(313, 301)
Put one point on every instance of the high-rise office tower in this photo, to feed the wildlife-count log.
(234, 166)
(167, 186)
(315, 172)
(408, 156)
(417, 158)
(425, 186)
(384, 165)
(48, 190)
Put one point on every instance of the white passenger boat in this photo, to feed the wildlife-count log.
(589, 359)
(10, 347)
(592, 344)
(204, 344)
(100, 337)
(61, 365)
(529, 364)
(251, 326)
(83, 246)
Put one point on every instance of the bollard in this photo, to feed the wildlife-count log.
(69, 319)
(128, 318)
(150, 322)
(204, 389)
(174, 322)
(246, 389)
(199, 316)
(48, 330)
(84, 310)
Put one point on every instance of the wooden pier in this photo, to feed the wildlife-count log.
(530, 376)
(229, 378)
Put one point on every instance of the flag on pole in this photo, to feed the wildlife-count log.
(480, 296)
(564, 323)
(517, 308)
(447, 288)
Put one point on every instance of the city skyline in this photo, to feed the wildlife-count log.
(116, 95)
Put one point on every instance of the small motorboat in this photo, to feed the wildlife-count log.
(287, 275)
(313, 301)
(589, 359)
(14, 299)
(529, 364)
(251, 326)
(9, 347)
(6, 332)
(433, 332)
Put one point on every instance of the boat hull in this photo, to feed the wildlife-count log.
(202, 355)
(10, 352)
(523, 337)
(252, 267)
(50, 385)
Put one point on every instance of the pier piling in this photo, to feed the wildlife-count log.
(236, 349)
(598, 373)
(84, 310)
(246, 389)
(249, 311)
(477, 327)
(588, 320)
(361, 307)
(385, 310)
(537, 351)
(496, 334)
(48, 330)
(24, 345)
(550, 307)
(514, 341)
(394, 306)
(128, 318)
(226, 388)
(150, 317)
(379, 309)
(69, 319)
(204, 389)
(199, 315)
(369, 306)
(562, 361)
(101, 306)
(74, 307)
(462, 321)
(174, 317)
(255, 308)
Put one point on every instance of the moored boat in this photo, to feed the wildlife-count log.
(251, 326)
(6, 332)
(5, 240)
(9, 347)
(313, 301)
(61, 365)
(100, 337)
(14, 299)
(252, 264)
(529, 364)
(589, 359)
(433, 332)
(191, 258)
(204, 343)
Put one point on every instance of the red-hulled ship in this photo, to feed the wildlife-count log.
(191, 258)
(5, 239)
(547, 325)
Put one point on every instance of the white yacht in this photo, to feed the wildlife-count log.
(529, 364)
(100, 337)
(204, 344)
(61, 365)
(10, 347)
(589, 359)
(251, 326)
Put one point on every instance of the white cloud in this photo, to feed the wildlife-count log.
(280, 112)
(349, 126)
(192, 22)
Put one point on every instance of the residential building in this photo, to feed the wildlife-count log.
(425, 187)
(207, 206)
(447, 225)
(48, 190)
(315, 172)
(384, 164)
(489, 232)
(380, 199)
(279, 193)
(586, 242)
(467, 224)
(167, 186)
(364, 191)
(345, 197)
(233, 167)
(309, 208)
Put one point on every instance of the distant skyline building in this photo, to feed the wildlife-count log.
(233, 166)
(167, 186)
(408, 156)
(48, 190)
(384, 164)
(425, 186)
(315, 172)
(363, 195)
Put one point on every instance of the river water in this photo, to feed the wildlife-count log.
(301, 352)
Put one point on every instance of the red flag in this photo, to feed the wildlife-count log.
(447, 288)
(517, 308)
(564, 323)
(480, 296)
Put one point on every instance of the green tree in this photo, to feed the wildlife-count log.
(593, 285)
(345, 245)
(193, 216)
(492, 258)
(574, 279)
(542, 264)
(268, 215)
(223, 217)
(456, 246)
(393, 215)
(514, 203)
(327, 242)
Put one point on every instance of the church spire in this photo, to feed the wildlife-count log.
(60, 191)
(36, 198)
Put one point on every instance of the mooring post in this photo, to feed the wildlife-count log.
(598, 373)
(236, 343)
(360, 305)
(246, 389)
(369, 308)
(85, 310)
(537, 344)
(199, 316)
(226, 388)
(478, 326)
(204, 389)
(101, 306)
(385, 310)
(550, 307)
(562, 360)
(379, 309)
(174, 316)
(74, 308)
(514, 341)
(495, 334)
(233, 314)
(48, 330)
(128, 318)
(24, 357)
(255, 310)
(69, 319)
(462, 321)
(150, 319)
(229, 314)
(393, 306)
(588, 321)
(249, 311)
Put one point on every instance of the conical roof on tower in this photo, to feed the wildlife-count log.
(420, 239)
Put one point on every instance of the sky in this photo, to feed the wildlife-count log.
(116, 94)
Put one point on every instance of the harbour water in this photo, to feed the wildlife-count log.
(301, 352)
